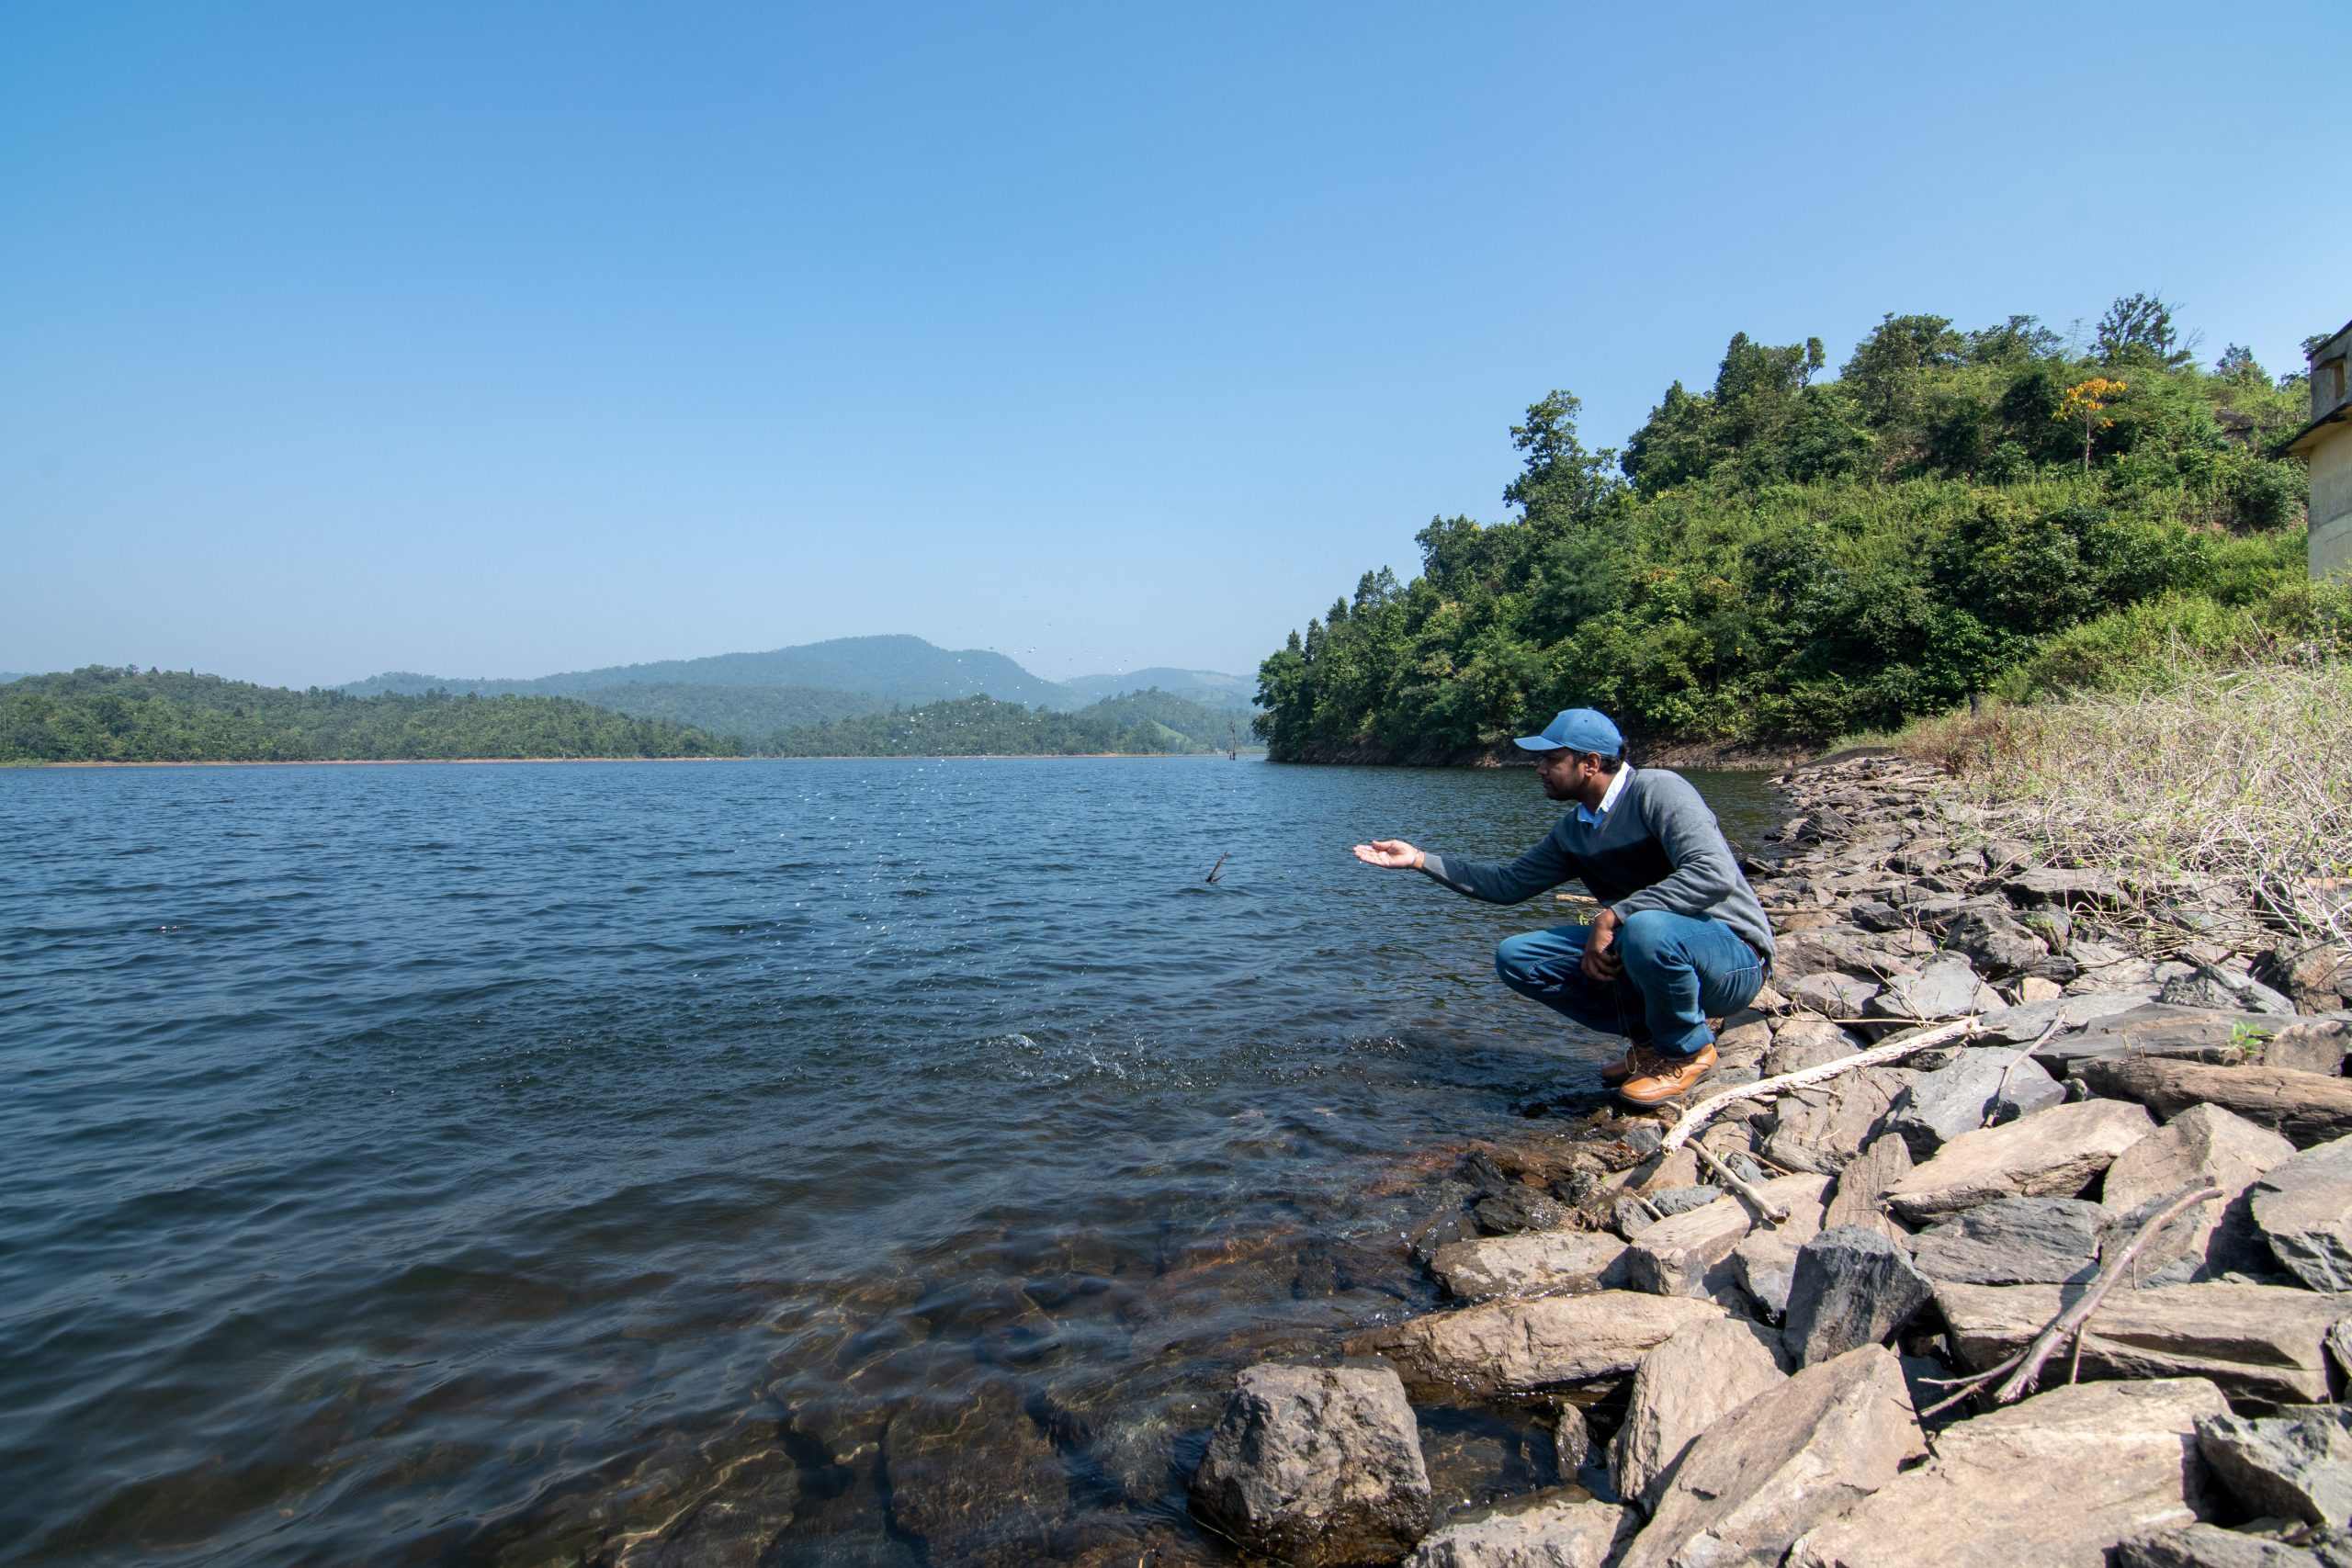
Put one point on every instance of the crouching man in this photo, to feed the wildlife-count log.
(1679, 938)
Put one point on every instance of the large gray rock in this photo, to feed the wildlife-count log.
(2054, 1155)
(1535, 1263)
(1946, 988)
(1852, 1286)
(2295, 1466)
(1997, 944)
(2204, 1142)
(2024, 1024)
(1979, 1087)
(2210, 987)
(1545, 1531)
(1683, 1255)
(974, 1477)
(1521, 1346)
(1683, 1387)
(2302, 1207)
(2053, 1482)
(2013, 1241)
(1315, 1465)
(2209, 1546)
(2258, 1342)
(2306, 1108)
(1864, 1183)
(1789, 1459)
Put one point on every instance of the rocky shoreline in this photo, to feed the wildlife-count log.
(2061, 1272)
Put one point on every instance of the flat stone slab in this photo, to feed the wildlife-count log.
(1683, 1387)
(1519, 1347)
(2013, 1241)
(2054, 1155)
(2302, 1207)
(2052, 1482)
(2065, 885)
(2214, 1035)
(1534, 1263)
(2305, 1108)
(1565, 1532)
(1822, 1126)
(1788, 1460)
(1315, 1465)
(2258, 1342)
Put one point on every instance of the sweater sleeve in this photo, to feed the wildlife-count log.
(1545, 866)
(1704, 874)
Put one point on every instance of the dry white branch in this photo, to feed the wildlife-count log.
(1895, 1050)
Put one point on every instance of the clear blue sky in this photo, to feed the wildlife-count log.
(503, 339)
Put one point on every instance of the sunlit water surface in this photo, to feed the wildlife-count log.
(478, 1164)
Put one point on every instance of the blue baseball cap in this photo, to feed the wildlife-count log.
(1578, 729)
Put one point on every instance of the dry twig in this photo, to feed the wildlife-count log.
(1893, 1050)
(2025, 1367)
(1748, 1191)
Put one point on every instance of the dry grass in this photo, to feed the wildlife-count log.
(2233, 780)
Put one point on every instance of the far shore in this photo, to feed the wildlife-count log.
(462, 761)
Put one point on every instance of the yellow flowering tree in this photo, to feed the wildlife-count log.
(2087, 400)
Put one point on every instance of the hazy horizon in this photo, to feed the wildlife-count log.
(508, 343)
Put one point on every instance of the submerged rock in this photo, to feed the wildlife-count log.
(1315, 1465)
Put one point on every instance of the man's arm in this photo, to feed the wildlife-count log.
(1545, 866)
(1704, 874)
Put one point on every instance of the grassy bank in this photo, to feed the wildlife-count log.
(2212, 752)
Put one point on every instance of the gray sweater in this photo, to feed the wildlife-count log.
(1658, 848)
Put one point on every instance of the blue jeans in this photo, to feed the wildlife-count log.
(1677, 973)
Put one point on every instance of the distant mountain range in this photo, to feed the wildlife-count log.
(756, 695)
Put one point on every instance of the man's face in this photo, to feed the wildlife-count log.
(1562, 772)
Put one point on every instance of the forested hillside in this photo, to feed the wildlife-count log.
(744, 712)
(1783, 558)
(1142, 722)
(105, 715)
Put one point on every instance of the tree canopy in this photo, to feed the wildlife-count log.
(1784, 559)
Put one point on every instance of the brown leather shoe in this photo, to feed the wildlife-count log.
(1637, 1059)
(1667, 1078)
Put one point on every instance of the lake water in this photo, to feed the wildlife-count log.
(481, 1164)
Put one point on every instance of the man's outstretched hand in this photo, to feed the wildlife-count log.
(1395, 853)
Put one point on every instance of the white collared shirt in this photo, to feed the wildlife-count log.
(1591, 818)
